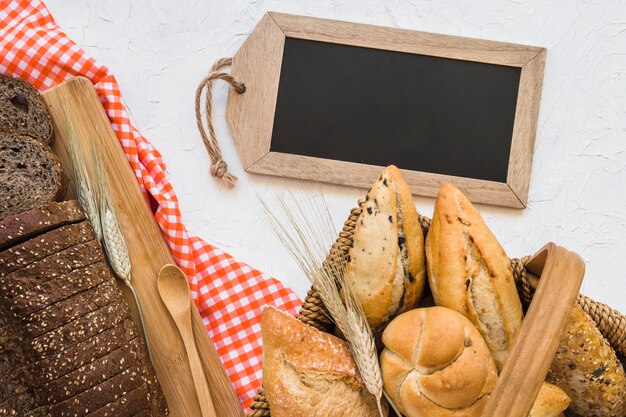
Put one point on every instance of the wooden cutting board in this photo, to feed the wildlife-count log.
(75, 107)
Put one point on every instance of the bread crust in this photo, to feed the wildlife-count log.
(550, 402)
(588, 370)
(386, 263)
(469, 272)
(435, 363)
(307, 372)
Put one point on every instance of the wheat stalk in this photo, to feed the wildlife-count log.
(83, 188)
(307, 233)
(113, 240)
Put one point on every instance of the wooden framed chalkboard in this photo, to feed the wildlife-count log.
(334, 101)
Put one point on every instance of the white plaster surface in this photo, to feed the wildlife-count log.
(159, 50)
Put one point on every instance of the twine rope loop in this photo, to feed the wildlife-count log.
(219, 168)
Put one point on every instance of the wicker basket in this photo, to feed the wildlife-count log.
(610, 322)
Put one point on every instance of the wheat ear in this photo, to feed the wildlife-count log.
(83, 187)
(307, 233)
(113, 240)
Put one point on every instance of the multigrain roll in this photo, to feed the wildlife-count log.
(309, 373)
(587, 369)
(435, 364)
(469, 272)
(386, 264)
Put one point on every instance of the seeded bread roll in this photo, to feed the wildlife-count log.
(22, 110)
(309, 373)
(30, 174)
(587, 369)
(23, 226)
(436, 364)
(385, 266)
(469, 272)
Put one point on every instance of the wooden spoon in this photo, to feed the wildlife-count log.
(174, 290)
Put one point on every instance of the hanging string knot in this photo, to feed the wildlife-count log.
(219, 168)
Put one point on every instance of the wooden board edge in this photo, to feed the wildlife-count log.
(525, 126)
(404, 40)
(250, 116)
(363, 176)
(225, 397)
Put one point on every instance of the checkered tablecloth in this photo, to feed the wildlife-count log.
(230, 295)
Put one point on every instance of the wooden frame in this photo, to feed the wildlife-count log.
(258, 64)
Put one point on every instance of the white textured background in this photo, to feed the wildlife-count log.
(159, 50)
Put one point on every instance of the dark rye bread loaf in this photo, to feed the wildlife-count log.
(20, 227)
(23, 110)
(30, 174)
(72, 348)
(44, 245)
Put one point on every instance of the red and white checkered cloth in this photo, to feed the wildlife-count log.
(230, 295)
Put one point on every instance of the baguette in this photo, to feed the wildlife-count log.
(386, 264)
(469, 272)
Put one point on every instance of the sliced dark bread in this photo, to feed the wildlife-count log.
(101, 394)
(94, 373)
(44, 245)
(35, 275)
(23, 110)
(30, 174)
(71, 308)
(80, 329)
(131, 404)
(56, 366)
(58, 289)
(21, 227)
(19, 405)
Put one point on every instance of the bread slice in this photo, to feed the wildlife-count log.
(307, 372)
(30, 174)
(44, 245)
(71, 308)
(94, 373)
(386, 264)
(48, 269)
(133, 403)
(469, 272)
(58, 288)
(80, 329)
(22, 110)
(21, 227)
(587, 369)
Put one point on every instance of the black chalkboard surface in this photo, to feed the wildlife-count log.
(378, 107)
(334, 101)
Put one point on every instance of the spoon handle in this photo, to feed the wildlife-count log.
(197, 373)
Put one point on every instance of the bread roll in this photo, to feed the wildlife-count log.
(307, 372)
(587, 369)
(435, 364)
(386, 267)
(550, 402)
(469, 272)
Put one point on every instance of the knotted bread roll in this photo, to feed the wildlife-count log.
(435, 364)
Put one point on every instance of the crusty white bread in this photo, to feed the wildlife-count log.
(386, 266)
(435, 363)
(587, 369)
(307, 372)
(469, 272)
(550, 402)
